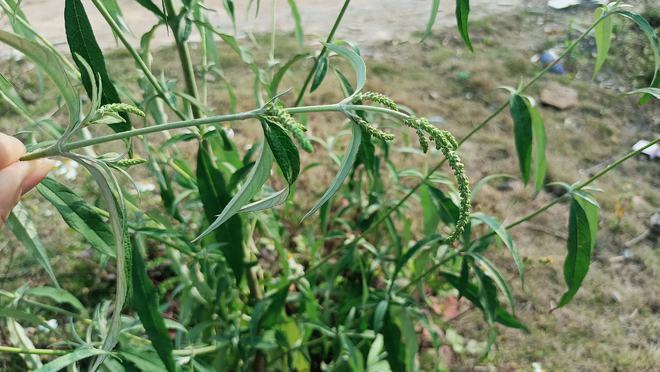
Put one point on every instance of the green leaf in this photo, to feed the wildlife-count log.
(230, 9)
(344, 169)
(216, 200)
(23, 316)
(522, 129)
(116, 14)
(400, 339)
(582, 230)
(447, 209)
(471, 293)
(81, 216)
(355, 359)
(430, 211)
(504, 236)
(145, 301)
(300, 35)
(462, 14)
(279, 75)
(489, 269)
(285, 152)
(71, 358)
(18, 337)
(356, 62)
(540, 143)
(319, 73)
(654, 92)
(435, 8)
(21, 225)
(149, 5)
(268, 202)
(603, 32)
(51, 64)
(58, 295)
(255, 181)
(82, 43)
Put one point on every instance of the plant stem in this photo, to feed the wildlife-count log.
(18, 350)
(324, 50)
(136, 56)
(51, 151)
(184, 55)
(480, 126)
(180, 352)
(535, 213)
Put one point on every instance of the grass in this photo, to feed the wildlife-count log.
(611, 323)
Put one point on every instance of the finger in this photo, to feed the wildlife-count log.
(11, 180)
(38, 170)
(17, 179)
(11, 149)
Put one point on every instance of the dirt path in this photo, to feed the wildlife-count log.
(366, 22)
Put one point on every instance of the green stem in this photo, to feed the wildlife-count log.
(136, 56)
(52, 151)
(184, 55)
(476, 129)
(180, 352)
(535, 213)
(18, 350)
(324, 50)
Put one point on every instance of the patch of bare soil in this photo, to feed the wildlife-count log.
(365, 22)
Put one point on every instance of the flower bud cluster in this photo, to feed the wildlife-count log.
(446, 142)
(276, 113)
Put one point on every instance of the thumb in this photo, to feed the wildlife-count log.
(17, 179)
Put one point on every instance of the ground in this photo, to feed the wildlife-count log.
(614, 321)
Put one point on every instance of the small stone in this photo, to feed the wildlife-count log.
(559, 96)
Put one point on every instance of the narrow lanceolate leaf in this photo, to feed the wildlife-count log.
(400, 339)
(653, 92)
(70, 359)
(145, 301)
(253, 184)
(582, 231)
(115, 12)
(471, 293)
(320, 73)
(300, 35)
(21, 225)
(149, 4)
(285, 152)
(540, 143)
(489, 269)
(19, 338)
(51, 64)
(504, 236)
(60, 296)
(279, 75)
(603, 32)
(462, 15)
(268, 202)
(344, 169)
(435, 8)
(522, 129)
(81, 216)
(82, 43)
(216, 199)
(356, 62)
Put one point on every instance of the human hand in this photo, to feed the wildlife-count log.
(17, 177)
